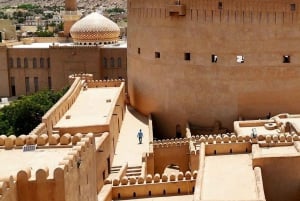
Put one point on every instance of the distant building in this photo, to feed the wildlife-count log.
(45, 63)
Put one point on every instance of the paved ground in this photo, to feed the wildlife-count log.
(128, 149)
(81, 113)
(229, 177)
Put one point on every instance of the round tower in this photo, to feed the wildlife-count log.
(70, 15)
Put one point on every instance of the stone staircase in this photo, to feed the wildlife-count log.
(133, 171)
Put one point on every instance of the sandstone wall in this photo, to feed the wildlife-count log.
(170, 68)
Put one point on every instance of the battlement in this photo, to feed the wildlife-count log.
(82, 76)
(157, 185)
(71, 160)
(157, 178)
(6, 186)
(42, 141)
(104, 83)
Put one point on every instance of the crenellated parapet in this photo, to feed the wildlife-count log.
(168, 143)
(154, 185)
(104, 83)
(82, 76)
(71, 160)
(42, 141)
(155, 179)
(7, 187)
(222, 138)
(40, 129)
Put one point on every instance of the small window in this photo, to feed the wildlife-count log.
(157, 54)
(187, 56)
(240, 59)
(139, 50)
(25, 62)
(214, 58)
(220, 5)
(119, 62)
(293, 7)
(42, 62)
(105, 63)
(27, 84)
(18, 63)
(36, 84)
(34, 63)
(112, 62)
(11, 62)
(286, 59)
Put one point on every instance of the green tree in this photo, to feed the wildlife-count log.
(23, 115)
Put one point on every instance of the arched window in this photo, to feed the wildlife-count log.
(25, 62)
(18, 62)
(42, 62)
(11, 62)
(112, 62)
(119, 62)
(105, 63)
(34, 63)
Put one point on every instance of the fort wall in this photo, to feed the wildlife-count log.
(171, 153)
(58, 110)
(8, 190)
(261, 34)
(149, 158)
(157, 185)
(74, 178)
(103, 154)
(279, 174)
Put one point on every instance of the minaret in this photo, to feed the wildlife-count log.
(70, 15)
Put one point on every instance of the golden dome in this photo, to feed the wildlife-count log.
(95, 29)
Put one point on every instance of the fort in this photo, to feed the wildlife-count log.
(213, 85)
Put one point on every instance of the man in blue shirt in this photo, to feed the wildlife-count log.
(140, 136)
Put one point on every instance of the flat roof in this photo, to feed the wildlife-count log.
(12, 161)
(41, 45)
(121, 44)
(91, 108)
(261, 130)
(229, 177)
(278, 151)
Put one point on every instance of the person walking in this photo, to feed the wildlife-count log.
(140, 136)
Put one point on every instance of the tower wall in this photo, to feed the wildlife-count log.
(170, 68)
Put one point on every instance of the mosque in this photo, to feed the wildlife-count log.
(35, 64)
(212, 84)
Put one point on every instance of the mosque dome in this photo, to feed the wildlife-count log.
(95, 29)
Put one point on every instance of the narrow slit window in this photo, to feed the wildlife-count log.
(157, 55)
(240, 59)
(286, 59)
(187, 56)
(139, 50)
(214, 58)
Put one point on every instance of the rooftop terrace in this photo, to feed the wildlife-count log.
(16, 160)
(229, 177)
(84, 112)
